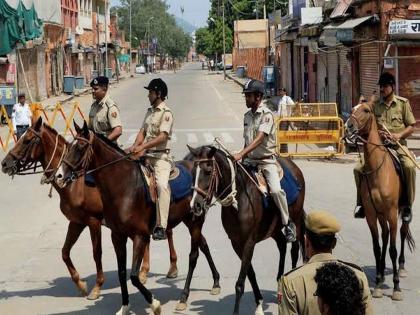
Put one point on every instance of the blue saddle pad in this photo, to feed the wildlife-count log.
(181, 185)
(290, 185)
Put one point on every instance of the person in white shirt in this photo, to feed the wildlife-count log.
(284, 110)
(21, 116)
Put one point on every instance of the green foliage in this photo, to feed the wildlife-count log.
(171, 38)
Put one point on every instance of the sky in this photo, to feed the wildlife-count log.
(196, 11)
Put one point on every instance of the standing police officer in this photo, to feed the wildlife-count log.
(297, 287)
(395, 113)
(153, 140)
(104, 115)
(259, 150)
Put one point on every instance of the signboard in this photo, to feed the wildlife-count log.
(311, 15)
(404, 29)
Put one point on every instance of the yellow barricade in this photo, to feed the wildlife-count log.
(316, 127)
(11, 134)
(59, 110)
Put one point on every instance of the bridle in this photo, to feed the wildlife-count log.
(79, 168)
(212, 190)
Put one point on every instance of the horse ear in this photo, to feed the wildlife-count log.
(77, 127)
(194, 151)
(85, 130)
(38, 124)
(212, 152)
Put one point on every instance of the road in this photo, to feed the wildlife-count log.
(34, 280)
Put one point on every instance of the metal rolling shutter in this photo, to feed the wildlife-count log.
(369, 69)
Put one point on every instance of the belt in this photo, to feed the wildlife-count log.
(22, 126)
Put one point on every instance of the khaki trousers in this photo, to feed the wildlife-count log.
(409, 169)
(162, 170)
(271, 170)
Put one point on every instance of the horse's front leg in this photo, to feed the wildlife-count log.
(139, 245)
(216, 276)
(173, 269)
(195, 231)
(120, 242)
(282, 247)
(95, 235)
(247, 253)
(73, 232)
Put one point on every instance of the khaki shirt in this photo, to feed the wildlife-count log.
(260, 121)
(158, 119)
(297, 288)
(104, 116)
(395, 117)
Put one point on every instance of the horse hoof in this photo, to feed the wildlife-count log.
(181, 306)
(94, 294)
(143, 277)
(377, 293)
(124, 310)
(155, 306)
(215, 291)
(82, 287)
(172, 273)
(259, 310)
(397, 296)
(403, 273)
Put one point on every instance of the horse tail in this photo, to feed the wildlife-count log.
(410, 240)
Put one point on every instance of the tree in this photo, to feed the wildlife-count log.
(150, 19)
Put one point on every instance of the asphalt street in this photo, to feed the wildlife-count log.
(34, 280)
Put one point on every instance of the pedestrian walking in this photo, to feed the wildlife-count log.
(21, 116)
(284, 110)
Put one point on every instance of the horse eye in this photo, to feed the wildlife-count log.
(366, 110)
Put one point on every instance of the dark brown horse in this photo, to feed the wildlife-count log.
(128, 212)
(79, 203)
(248, 223)
(380, 191)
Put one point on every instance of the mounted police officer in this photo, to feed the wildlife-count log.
(153, 140)
(104, 115)
(259, 149)
(297, 287)
(395, 113)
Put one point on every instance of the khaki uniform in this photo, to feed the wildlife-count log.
(157, 120)
(104, 116)
(297, 288)
(396, 118)
(264, 155)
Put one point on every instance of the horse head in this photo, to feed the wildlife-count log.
(77, 158)
(27, 151)
(360, 122)
(211, 177)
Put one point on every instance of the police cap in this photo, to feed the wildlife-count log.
(322, 222)
(253, 86)
(159, 86)
(386, 78)
(100, 81)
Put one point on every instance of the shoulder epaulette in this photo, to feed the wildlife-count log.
(401, 98)
(293, 270)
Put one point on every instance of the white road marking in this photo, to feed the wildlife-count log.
(192, 138)
(227, 138)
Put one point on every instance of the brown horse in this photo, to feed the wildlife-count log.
(247, 223)
(128, 212)
(79, 203)
(380, 191)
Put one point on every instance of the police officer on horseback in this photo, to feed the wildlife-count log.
(259, 149)
(395, 113)
(153, 140)
(104, 115)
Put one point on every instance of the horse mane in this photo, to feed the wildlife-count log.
(110, 143)
(53, 131)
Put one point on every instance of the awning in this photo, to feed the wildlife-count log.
(345, 31)
(341, 8)
(353, 23)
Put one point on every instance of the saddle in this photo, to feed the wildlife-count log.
(180, 181)
(288, 182)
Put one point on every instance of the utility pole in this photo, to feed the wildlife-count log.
(224, 41)
(256, 9)
(265, 11)
(131, 74)
(98, 57)
(106, 38)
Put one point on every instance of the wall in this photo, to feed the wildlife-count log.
(254, 59)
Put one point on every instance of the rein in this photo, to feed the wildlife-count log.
(28, 168)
